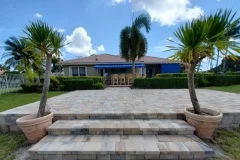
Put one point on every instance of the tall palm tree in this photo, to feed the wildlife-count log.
(133, 44)
(48, 42)
(17, 56)
(234, 33)
(198, 40)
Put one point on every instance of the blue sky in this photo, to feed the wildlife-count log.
(93, 26)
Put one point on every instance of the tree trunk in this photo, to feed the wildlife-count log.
(191, 88)
(43, 102)
(133, 70)
(217, 62)
(224, 65)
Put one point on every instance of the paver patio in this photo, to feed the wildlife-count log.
(124, 123)
(131, 104)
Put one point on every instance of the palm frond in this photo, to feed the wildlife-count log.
(125, 43)
(143, 21)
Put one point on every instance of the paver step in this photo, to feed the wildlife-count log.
(108, 147)
(120, 127)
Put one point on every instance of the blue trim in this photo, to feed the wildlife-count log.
(102, 66)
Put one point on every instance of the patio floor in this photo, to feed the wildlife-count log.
(132, 103)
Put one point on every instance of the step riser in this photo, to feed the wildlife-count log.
(120, 127)
(121, 147)
(118, 156)
(119, 116)
(94, 132)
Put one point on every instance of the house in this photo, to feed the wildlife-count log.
(98, 65)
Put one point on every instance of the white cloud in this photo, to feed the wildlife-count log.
(38, 15)
(101, 48)
(168, 12)
(61, 30)
(79, 43)
(118, 1)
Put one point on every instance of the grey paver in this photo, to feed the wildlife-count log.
(113, 146)
(114, 102)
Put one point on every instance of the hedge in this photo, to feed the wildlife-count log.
(226, 80)
(31, 88)
(201, 80)
(171, 75)
(233, 73)
(77, 84)
(96, 79)
(182, 74)
(67, 84)
(161, 83)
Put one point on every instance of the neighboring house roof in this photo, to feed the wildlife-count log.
(108, 58)
(1, 72)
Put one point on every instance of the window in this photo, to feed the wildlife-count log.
(78, 71)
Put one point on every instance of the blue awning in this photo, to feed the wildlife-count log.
(102, 66)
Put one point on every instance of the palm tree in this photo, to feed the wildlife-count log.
(17, 57)
(48, 42)
(198, 40)
(133, 44)
(234, 33)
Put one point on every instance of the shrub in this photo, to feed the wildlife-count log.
(31, 88)
(95, 79)
(98, 86)
(161, 83)
(204, 79)
(77, 84)
(55, 85)
(226, 80)
(172, 75)
(233, 73)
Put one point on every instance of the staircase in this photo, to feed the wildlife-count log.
(120, 139)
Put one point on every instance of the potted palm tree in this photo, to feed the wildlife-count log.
(48, 42)
(133, 44)
(198, 40)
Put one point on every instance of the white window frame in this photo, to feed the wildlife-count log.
(70, 70)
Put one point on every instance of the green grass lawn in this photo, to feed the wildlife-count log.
(12, 100)
(229, 141)
(232, 89)
(9, 143)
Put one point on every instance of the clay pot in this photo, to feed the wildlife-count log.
(205, 125)
(34, 128)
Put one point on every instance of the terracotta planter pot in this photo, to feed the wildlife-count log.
(205, 125)
(34, 128)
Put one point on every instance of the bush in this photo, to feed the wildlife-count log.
(77, 84)
(55, 85)
(233, 73)
(98, 86)
(96, 79)
(31, 88)
(172, 75)
(204, 79)
(201, 78)
(226, 80)
(161, 83)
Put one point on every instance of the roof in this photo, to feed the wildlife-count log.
(1, 72)
(109, 58)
